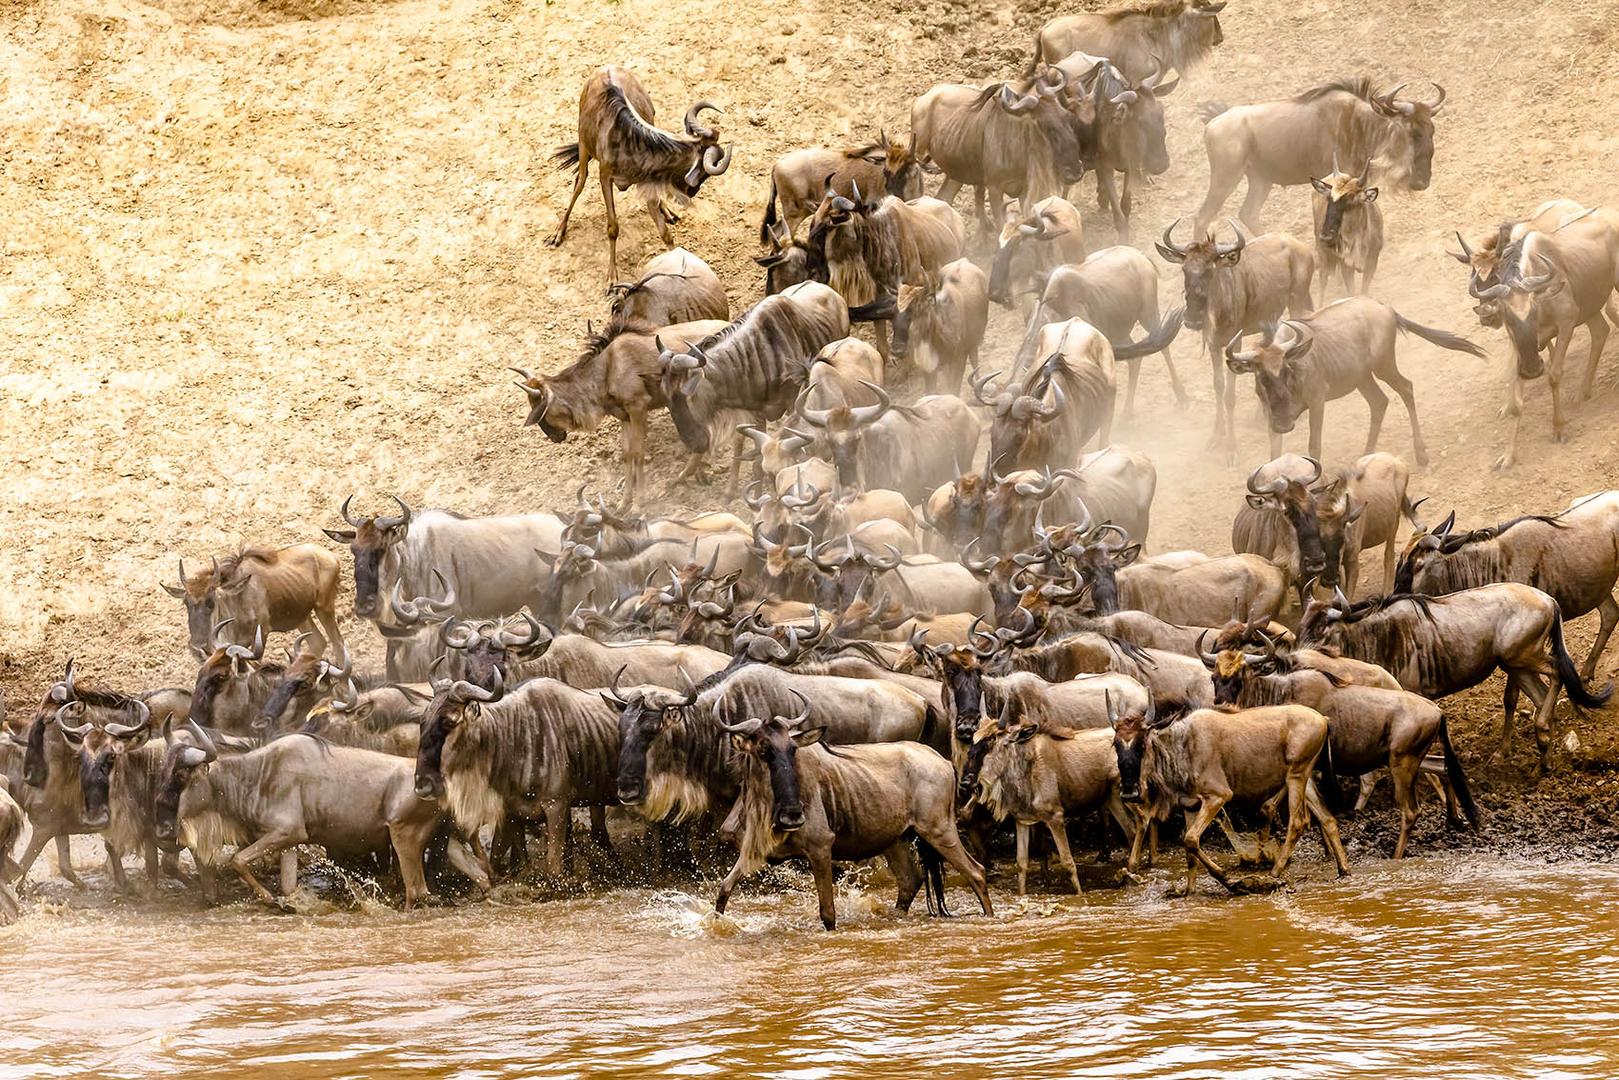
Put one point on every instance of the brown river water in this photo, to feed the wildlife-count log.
(1436, 967)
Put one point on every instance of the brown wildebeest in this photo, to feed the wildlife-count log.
(799, 178)
(1572, 556)
(1137, 38)
(616, 130)
(1235, 287)
(1000, 139)
(1201, 759)
(11, 826)
(1290, 141)
(1301, 364)
(909, 449)
(939, 325)
(1439, 645)
(263, 590)
(615, 376)
(1049, 234)
(1370, 726)
(1483, 256)
(1129, 137)
(1551, 283)
(1348, 229)
(800, 799)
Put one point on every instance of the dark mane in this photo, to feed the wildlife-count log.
(231, 563)
(1375, 604)
(1152, 9)
(1360, 87)
(633, 133)
(1451, 543)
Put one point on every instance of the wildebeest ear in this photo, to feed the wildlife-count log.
(1025, 733)
(1321, 185)
(1126, 556)
(342, 536)
(805, 738)
(1257, 502)
(1370, 194)
(740, 744)
(174, 591)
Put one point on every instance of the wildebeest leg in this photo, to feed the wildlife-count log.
(1608, 610)
(1378, 403)
(727, 884)
(1545, 700)
(289, 871)
(737, 443)
(115, 868)
(1245, 856)
(1130, 393)
(462, 860)
(1329, 827)
(1276, 445)
(1348, 277)
(947, 842)
(1599, 337)
(269, 844)
(1208, 809)
(1509, 709)
(410, 846)
(661, 218)
(598, 828)
(1217, 369)
(1258, 192)
(1022, 831)
(879, 333)
(1151, 321)
(17, 870)
(632, 452)
(1059, 839)
(1554, 381)
(10, 910)
(558, 819)
(1408, 395)
(907, 874)
(556, 238)
(1107, 198)
(1297, 779)
(820, 860)
(1367, 271)
(612, 224)
(1226, 160)
(1513, 411)
(1230, 416)
(1403, 773)
(947, 192)
(1367, 785)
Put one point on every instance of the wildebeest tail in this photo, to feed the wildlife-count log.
(932, 876)
(1157, 341)
(1332, 792)
(765, 229)
(1569, 675)
(1210, 109)
(567, 156)
(883, 308)
(1442, 338)
(1457, 778)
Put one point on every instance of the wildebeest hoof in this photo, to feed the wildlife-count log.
(1502, 463)
(1256, 884)
(554, 240)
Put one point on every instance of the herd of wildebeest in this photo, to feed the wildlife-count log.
(914, 635)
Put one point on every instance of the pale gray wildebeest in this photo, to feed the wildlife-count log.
(906, 448)
(1201, 759)
(1348, 229)
(1193, 592)
(1137, 38)
(268, 589)
(1289, 141)
(1301, 364)
(1549, 284)
(1129, 137)
(1115, 290)
(939, 325)
(1169, 675)
(1237, 287)
(617, 130)
(1572, 556)
(1438, 645)
(295, 790)
(1049, 234)
(1000, 140)
(801, 799)
(754, 367)
(494, 564)
(799, 179)
(540, 748)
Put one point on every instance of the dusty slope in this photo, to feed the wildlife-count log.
(259, 255)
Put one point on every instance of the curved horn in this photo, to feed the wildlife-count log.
(1209, 659)
(204, 742)
(1272, 488)
(749, 726)
(693, 128)
(803, 712)
(980, 384)
(867, 414)
(1167, 242)
(344, 510)
(403, 517)
(716, 159)
(1232, 248)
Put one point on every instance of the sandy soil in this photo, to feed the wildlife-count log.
(259, 255)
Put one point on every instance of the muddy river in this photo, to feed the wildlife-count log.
(1437, 967)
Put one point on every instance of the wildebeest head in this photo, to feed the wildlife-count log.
(1012, 504)
(1408, 148)
(36, 759)
(96, 764)
(545, 411)
(454, 702)
(847, 566)
(711, 158)
(681, 379)
(1130, 734)
(773, 744)
(956, 510)
(223, 680)
(1275, 365)
(644, 712)
(961, 678)
(1337, 512)
(1041, 107)
(196, 591)
(1098, 560)
(916, 306)
(1322, 620)
(842, 428)
(1425, 550)
(370, 539)
(1291, 497)
(489, 649)
(1340, 192)
(184, 759)
(1200, 261)
(1016, 414)
(301, 682)
(1204, 23)
(782, 450)
(1229, 668)
(1517, 299)
(1017, 232)
(784, 561)
(1134, 116)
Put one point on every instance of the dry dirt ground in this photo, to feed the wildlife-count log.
(259, 254)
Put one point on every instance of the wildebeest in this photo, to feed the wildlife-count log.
(999, 140)
(1290, 141)
(1115, 290)
(295, 790)
(1348, 228)
(1129, 137)
(1572, 556)
(906, 448)
(543, 747)
(939, 325)
(1177, 34)
(799, 178)
(1196, 592)
(1551, 283)
(11, 826)
(849, 803)
(1044, 236)
(753, 366)
(1201, 759)
(493, 563)
(1438, 645)
(268, 589)
(1237, 288)
(1301, 364)
(617, 130)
